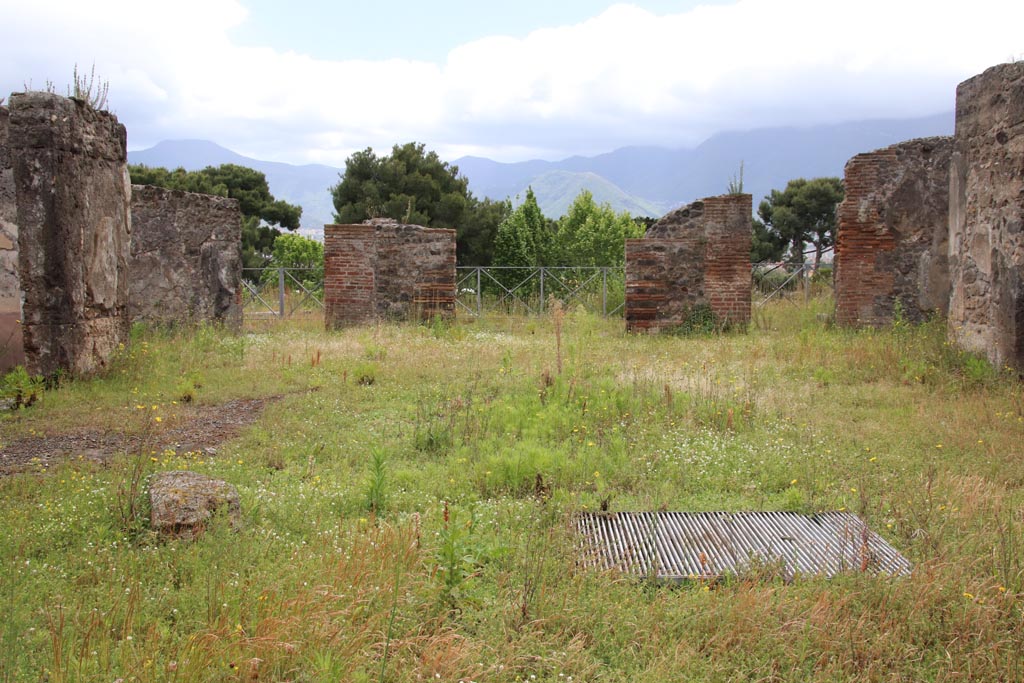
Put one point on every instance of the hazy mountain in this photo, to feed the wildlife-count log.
(307, 186)
(641, 180)
(556, 190)
(670, 177)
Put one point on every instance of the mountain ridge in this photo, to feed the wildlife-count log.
(635, 179)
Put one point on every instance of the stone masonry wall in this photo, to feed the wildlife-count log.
(892, 241)
(986, 311)
(696, 255)
(384, 269)
(186, 257)
(73, 215)
(11, 346)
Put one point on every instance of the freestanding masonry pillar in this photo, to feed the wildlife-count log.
(73, 214)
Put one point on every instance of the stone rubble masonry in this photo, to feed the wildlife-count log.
(696, 255)
(73, 215)
(382, 269)
(892, 241)
(986, 310)
(11, 347)
(186, 257)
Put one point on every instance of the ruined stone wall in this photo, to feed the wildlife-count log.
(186, 257)
(986, 311)
(72, 193)
(696, 255)
(384, 269)
(892, 241)
(11, 351)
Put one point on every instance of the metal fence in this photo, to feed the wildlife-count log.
(511, 290)
(790, 282)
(516, 290)
(282, 292)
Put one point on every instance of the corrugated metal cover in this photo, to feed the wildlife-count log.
(706, 545)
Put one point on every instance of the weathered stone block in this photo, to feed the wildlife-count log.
(11, 344)
(986, 310)
(892, 241)
(72, 194)
(186, 257)
(182, 503)
(384, 269)
(697, 255)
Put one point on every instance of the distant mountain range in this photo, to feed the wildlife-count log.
(641, 180)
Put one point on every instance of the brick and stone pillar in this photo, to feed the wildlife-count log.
(892, 240)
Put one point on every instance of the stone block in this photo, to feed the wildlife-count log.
(182, 503)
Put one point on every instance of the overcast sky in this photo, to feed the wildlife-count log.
(313, 81)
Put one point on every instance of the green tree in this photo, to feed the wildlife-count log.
(262, 213)
(302, 254)
(525, 238)
(592, 234)
(804, 212)
(413, 185)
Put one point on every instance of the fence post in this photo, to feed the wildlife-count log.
(479, 301)
(604, 292)
(542, 289)
(280, 291)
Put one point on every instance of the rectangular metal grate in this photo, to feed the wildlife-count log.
(706, 545)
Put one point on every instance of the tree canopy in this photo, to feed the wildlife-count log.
(413, 185)
(525, 237)
(804, 212)
(592, 234)
(262, 214)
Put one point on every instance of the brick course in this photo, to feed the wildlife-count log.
(696, 255)
(387, 270)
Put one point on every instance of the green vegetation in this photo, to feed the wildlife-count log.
(589, 234)
(262, 214)
(415, 186)
(407, 506)
(804, 212)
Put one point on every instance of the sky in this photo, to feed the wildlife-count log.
(312, 81)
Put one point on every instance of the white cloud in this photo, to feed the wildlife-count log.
(626, 76)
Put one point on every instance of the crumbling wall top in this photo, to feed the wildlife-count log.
(55, 123)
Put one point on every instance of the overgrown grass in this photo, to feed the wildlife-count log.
(417, 503)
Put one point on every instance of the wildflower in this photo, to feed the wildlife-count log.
(872, 459)
(938, 445)
(968, 595)
(158, 419)
(792, 482)
(853, 490)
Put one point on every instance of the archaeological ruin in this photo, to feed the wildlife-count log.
(11, 348)
(891, 245)
(186, 257)
(986, 310)
(73, 215)
(697, 256)
(385, 270)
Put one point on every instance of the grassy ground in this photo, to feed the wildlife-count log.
(406, 507)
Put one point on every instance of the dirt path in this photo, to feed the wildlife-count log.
(200, 428)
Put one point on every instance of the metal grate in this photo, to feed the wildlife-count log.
(676, 546)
